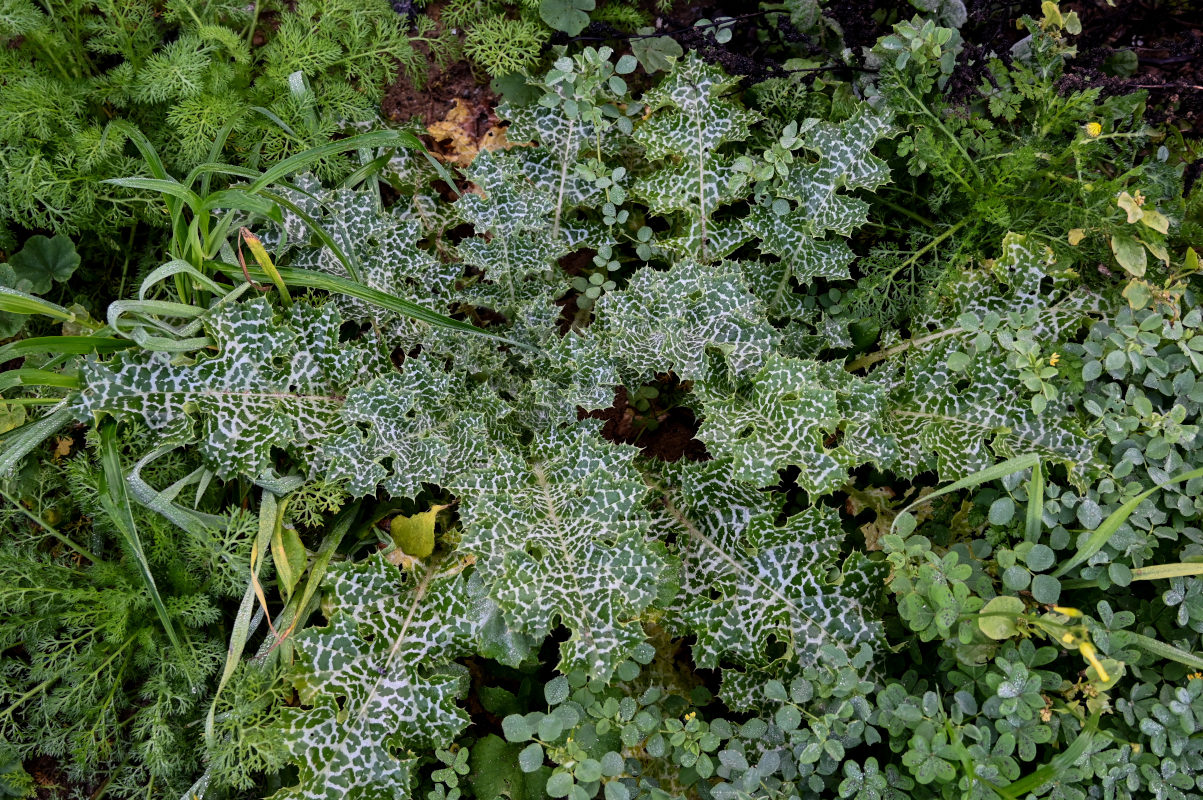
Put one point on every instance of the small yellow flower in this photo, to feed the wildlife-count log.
(1052, 362)
(1093, 129)
(1087, 651)
(1195, 676)
(1067, 612)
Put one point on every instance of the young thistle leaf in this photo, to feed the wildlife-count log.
(270, 385)
(808, 414)
(380, 679)
(561, 538)
(674, 320)
(691, 119)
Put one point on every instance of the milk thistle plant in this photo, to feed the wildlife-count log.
(343, 503)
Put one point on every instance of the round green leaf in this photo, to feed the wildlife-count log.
(1040, 558)
(41, 262)
(588, 770)
(997, 618)
(617, 791)
(612, 764)
(556, 691)
(570, 16)
(1002, 511)
(1046, 589)
(531, 757)
(516, 728)
(559, 785)
(788, 718)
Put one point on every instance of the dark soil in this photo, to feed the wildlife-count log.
(670, 436)
(49, 779)
(429, 104)
(1167, 39)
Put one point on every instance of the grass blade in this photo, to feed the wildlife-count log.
(1058, 764)
(15, 302)
(1107, 529)
(28, 376)
(1158, 648)
(1035, 516)
(1162, 572)
(170, 187)
(1001, 470)
(301, 161)
(307, 279)
(59, 345)
(116, 504)
(19, 441)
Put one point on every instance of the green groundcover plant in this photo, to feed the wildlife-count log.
(330, 518)
(196, 81)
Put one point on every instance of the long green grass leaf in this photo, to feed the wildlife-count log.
(302, 161)
(1001, 470)
(1057, 765)
(15, 302)
(307, 279)
(1161, 572)
(58, 345)
(18, 442)
(1035, 516)
(169, 187)
(1095, 542)
(1158, 648)
(116, 503)
(28, 376)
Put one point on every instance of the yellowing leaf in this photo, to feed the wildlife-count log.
(457, 138)
(290, 557)
(1076, 235)
(415, 535)
(1158, 250)
(997, 618)
(1128, 203)
(11, 417)
(1155, 220)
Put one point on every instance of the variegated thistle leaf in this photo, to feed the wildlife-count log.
(673, 321)
(691, 118)
(380, 679)
(808, 239)
(807, 414)
(961, 421)
(748, 584)
(423, 425)
(552, 165)
(271, 384)
(383, 246)
(513, 218)
(560, 539)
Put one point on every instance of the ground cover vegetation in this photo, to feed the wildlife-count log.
(759, 410)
